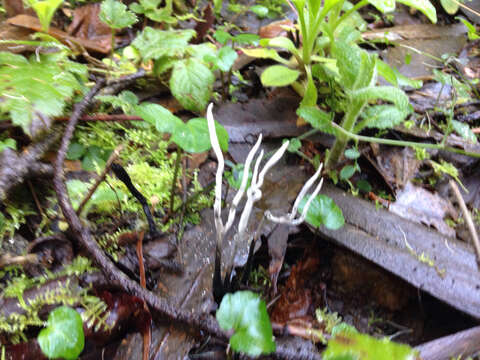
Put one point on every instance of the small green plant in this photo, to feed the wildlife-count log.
(63, 335)
(45, 10)
(246, 314)
(33, 90)
(151, 10)
(168, 53)
(330, 55)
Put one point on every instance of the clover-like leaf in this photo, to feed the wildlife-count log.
(246, 314)
(323, 211)
(193, 136)
(352, 345)
(63, 336)
(191, 83)
(116, 15)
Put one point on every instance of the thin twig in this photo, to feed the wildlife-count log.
(100, 178)
(468, 218)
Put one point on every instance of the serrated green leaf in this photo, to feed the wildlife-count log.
(63, 336)
(200, 51)
(323, 211)
(278, 75)
(116, 15)
(348, 344)
(32, 91)
(163, 120)
(247, 315)
(464, 131)
(425, 6)
(355, 66)
(394, 77)
(154, 43)
(193, 136)
(191, 83)
(225, 58)
(383, 5)
(382, 117)
(294, 145)
(319, 119)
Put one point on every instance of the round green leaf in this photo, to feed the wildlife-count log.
(278, 75)
(352, 154)
(323, 211)
(159, 116)
(247, 315)
(225, 58)
(259, 10)
(347, 172)
(75, 151)
(193, 136)
(63, 336)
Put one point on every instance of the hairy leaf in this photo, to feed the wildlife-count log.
(317, 118)
(63, 337)
(247, 315)
(388, 93)
(191, 83)
(153, 43)
(382, 117)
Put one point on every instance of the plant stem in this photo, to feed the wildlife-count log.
(175, 177)
(412, 144)
(349, 12)
(348, 123)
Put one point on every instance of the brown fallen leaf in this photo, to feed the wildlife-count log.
(32, 23)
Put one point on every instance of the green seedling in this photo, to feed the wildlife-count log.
(45, 10)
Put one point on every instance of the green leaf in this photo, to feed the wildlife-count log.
(247, 315)
(262, 53)
(32, 91)
(382, 117)
(75, 151)
(259, 10)
(383, 5)
(319, 119)
(193, 136)
(95, 158)
(163, 120)
(352, 154)
(394, 77)
(45, 10)
(8, 143)
(63, 336)
(472, 30)
(347, 172)
(323, 211)
(246, 38)
(225, 58)
(103, 198)
(425, 6)
(115, 14)
(280, 42)
(388, 93)
(278, 75)
(351, 345)
(355, 65)
(222, 36)
(294, 145)
(464, 131)
(153, 43)
(126, 100)
(191, 83)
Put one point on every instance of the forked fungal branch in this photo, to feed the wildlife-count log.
(254, 193)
